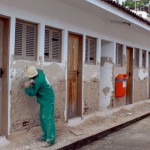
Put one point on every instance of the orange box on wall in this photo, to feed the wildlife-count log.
(120, 85)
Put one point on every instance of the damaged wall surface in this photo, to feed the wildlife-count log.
(24, 109)
(106, 82)
(91, 88)
(140, 84)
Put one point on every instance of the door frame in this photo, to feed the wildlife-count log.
(5, 77)
(129, 94)
(81, 76)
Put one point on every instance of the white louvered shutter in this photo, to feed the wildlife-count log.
(19, 40)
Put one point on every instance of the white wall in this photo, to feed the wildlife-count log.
(60, 15)
(107, 49)
(106, 74)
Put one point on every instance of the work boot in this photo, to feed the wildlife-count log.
(41, 139)
(47, 145)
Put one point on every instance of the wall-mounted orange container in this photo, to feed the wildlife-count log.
(120, 85)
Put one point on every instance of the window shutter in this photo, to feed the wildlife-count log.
(119, 55)
(92, 50)
(25, 40)
(86, 53)
(18, 40)
(47, 45)
(52, 50)
(55, 45)
(90, 56)
(30, 34)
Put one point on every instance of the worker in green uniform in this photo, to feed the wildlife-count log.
(39, 86)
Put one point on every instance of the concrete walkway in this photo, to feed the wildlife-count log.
(133, 137)
(93, 126)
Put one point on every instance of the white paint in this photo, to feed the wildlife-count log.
(142, 75)
(41, 38)
(83, 72)
(12, 34)
(13, 72)
(105, 81)
(107, 50)
(98, 51)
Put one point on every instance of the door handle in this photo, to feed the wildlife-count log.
(1, 72)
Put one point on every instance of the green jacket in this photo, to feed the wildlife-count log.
(41, 89)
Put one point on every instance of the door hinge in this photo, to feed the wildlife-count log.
(1, 72)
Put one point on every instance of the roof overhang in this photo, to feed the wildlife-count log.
(108, 12)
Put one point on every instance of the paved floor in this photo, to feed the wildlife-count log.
(134, 137)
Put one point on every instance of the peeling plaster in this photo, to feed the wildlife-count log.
(106, 59)
(106, 84)
(140, 88)
(142, 74)
(106, 90)
(91, 71)
(27, 106)
(13, 72)
(91, 95)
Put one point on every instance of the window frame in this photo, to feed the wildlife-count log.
(143, 60)
(24, 40)
(119, 62)
(136, 57)
(50, 57)
(88, 51)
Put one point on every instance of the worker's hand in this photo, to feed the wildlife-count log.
(26, 84)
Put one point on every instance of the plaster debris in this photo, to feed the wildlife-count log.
(142, 74)
(97, 122)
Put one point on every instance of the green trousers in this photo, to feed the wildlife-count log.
(48, 123)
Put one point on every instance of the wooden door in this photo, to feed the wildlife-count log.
(74, 76)
(1, 58)
(4, 57)
(129, 69)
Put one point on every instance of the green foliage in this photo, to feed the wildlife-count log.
(131, 3)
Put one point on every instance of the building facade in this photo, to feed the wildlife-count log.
(81, 46)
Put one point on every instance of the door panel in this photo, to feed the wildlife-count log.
(74, 73)
(129, 68)
(1, 53)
